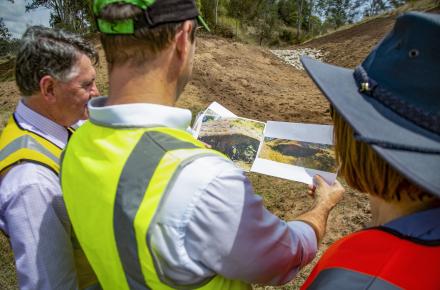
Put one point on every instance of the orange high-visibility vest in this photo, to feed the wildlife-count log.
(378, 258)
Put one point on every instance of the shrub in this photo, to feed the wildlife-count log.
(223, 30)
(287, 35)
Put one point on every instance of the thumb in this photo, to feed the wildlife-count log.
(319, 181)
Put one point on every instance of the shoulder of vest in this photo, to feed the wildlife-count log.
(18, 145)
(395, 233)
(13, 124)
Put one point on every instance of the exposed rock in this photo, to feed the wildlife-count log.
(292, 56)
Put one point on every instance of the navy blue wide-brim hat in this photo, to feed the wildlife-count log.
(392, 100)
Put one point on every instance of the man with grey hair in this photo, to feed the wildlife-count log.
(55, 75)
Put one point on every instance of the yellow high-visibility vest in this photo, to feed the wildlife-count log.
(18, 145)
(114, 180)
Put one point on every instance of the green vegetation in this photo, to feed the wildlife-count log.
(303, 154)
(264, 22)
(278, 22)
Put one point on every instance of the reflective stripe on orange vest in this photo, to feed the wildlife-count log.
(377, 258)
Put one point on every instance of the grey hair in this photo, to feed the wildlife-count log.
(46, 51)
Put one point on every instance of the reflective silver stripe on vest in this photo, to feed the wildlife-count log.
(343, 279)
(133, 182)
(28, 142)
(157, 265)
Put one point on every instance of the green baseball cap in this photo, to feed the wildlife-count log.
(155, 12)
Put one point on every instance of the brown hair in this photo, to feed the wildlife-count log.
(140, 47)
(364, 170)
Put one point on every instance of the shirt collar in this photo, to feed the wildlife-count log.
(37, 123)
(137, 115)
(424, 225)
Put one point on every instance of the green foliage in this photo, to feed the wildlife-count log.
(7, 44)
(287, 35)
(376, 7)
(4, 31)
(266, 21)
(224, 30)
(73, 15)
(340, 12)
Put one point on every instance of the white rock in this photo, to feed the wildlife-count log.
(292, 56)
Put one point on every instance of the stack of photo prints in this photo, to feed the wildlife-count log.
(291, 151)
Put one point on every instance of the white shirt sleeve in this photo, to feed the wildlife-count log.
(34, 217)
(234, 235)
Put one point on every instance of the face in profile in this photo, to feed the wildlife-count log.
(72, 96)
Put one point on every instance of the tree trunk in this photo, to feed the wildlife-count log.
(236, 27)
(310, 17)
(216, 12)
(299, 19)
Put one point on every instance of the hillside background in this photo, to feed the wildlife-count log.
(234, 66)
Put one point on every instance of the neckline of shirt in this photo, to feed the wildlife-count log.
(39, 124)
(138, 114)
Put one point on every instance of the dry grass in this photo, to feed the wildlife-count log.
(8, 279)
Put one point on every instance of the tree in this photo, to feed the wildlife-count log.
(241, 10)
(300, 4)
(397, 3)
(375, 7)
(73, 15)
(287, 11)
(339, 12)
(209, 10)
(4, 31)
(5, 39)
(216, 11)
(266, 20)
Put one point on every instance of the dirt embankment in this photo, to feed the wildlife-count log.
(349, 46)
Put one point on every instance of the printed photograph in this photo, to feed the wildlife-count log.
(238, 138)
(211, 112)
(304, 154)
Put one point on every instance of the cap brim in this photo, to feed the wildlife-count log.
(202, 23)
(370, 119)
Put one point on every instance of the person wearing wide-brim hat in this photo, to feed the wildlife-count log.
(387, 136)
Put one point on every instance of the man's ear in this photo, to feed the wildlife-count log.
(47, 88)
(183, 39)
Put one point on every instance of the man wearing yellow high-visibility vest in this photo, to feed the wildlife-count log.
(54, 72)
(151, 206)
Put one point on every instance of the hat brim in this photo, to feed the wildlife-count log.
(371, 119)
